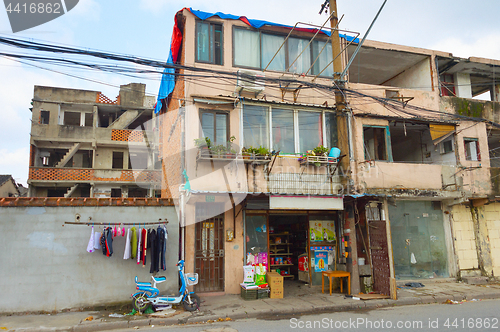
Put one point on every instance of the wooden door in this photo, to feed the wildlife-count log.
(209, 254)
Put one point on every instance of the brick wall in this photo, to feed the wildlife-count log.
(170, 136)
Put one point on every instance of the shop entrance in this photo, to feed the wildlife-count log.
(299, 246)
(287, 243)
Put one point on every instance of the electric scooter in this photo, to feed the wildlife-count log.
(149, 294)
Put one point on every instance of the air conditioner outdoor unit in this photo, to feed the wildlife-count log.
(250, 81)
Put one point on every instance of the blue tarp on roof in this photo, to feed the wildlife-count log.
(259, 23)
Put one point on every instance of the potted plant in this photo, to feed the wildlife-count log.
(320, 151)
(230, 152)
(262, 151)
(218, 150)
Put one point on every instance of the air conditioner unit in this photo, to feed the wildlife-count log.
(250, 81)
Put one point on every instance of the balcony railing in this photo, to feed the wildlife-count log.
(93, 175)
(74, 133)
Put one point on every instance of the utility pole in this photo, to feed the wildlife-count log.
(340, 102)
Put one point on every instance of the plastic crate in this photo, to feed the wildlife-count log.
(249, 294)
(263, 293)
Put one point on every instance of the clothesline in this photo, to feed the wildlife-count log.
(92, 223)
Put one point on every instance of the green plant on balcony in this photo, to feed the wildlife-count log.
(203, 142)
(218, 150)
(262, 151)
(320, 151)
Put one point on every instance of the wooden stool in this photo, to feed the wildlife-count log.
(335, 274)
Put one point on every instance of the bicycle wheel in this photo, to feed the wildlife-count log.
(191, 302)
(140, 303)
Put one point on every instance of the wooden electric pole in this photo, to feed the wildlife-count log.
(340, 102)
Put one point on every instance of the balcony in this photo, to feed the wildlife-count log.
(85, 175)
(88, 134)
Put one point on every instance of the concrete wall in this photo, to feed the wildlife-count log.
(45, 265)
(492, 220)
(464, 238)
(417, 77)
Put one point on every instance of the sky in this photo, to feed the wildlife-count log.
(144, 27)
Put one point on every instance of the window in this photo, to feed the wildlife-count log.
(72, 118)
(299, 63)
(283, 134)
(447, 85)
(375, 143)
(472, 149)
(254, 49)
(310, 130)
(447, 146)
(255, 126)
(209, 42)
(270, 44)
(44, 117)
(214, 125)
(116, 192)
(117, 160)
(246, 48)
(292, 131)
(89, 119)
(322, 51)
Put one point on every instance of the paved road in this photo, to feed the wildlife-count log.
(469, 316)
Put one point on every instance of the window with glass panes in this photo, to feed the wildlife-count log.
(209, 42)
(288, 130)
(215, 126)
(258, 50)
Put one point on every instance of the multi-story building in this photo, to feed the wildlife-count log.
(407, 194)
(84, 144)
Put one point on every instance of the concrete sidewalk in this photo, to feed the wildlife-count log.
(301, 301)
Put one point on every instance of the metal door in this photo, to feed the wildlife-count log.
(418, 240)
(209, 252)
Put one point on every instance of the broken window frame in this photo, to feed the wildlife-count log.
(44, 117)
(469, 155)
(387, 142)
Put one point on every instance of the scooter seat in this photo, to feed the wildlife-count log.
(159, 279)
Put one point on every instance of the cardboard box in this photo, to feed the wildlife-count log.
(275, 282)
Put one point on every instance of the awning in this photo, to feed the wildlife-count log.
(438, 130)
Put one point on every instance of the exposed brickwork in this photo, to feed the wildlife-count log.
(170, 137)
(102, 99)
(72, 174)
(124, 135)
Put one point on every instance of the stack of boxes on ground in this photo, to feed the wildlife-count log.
(259, 284)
